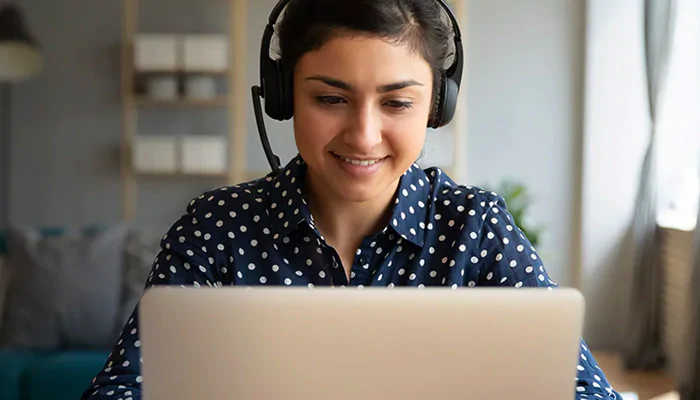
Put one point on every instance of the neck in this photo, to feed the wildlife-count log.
(343, 223)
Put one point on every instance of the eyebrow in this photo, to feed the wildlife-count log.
(381, 89)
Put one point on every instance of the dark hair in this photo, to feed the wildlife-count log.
(307, 25)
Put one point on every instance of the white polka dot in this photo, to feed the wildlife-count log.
(520, 248)
(462, 248)
(287, 281)
(513, 264)
(322, 274)
(474, 260)
(243, 228)
(263, 279)
(529, 269)
(490, 235)
(580, 368)
(438, 217)
(139, 379)
(275, 268)
(471, 284)
(402, 271)
(473, 235)
(489, 276)
(499, 257)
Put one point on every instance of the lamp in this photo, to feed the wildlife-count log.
(19, 52)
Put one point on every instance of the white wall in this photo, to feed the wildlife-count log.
(525, 93)
(616, 133)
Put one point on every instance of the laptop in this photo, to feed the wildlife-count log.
(347, 343)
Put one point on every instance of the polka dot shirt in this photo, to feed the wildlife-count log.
(262, 233)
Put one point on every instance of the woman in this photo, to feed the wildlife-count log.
(352, 209)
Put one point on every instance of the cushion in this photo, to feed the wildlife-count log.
(13, 364)
(64, 291)
(140, 251)
(4, 272)
(63, 375)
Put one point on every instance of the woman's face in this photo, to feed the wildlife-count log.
(361, 108)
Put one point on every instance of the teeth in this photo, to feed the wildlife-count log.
(363, 163)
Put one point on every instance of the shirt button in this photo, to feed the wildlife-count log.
(363, 260)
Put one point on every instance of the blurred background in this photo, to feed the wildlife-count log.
(584, 114)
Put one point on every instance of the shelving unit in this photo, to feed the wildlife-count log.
(234, 102)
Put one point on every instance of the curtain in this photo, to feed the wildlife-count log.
(642, 348)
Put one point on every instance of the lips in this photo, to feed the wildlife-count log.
(360, 162)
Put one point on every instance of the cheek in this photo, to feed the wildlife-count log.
(313, 128)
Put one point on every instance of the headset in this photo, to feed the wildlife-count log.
(276, 84)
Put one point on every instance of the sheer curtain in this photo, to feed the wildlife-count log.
(643, 334)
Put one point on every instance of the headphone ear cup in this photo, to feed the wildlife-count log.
(436, 114)
(271, 89)
(449, 102)
(286, 99)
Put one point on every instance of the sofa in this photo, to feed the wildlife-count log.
(64, 297)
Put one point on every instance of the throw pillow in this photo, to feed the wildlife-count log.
(63, 291)
(140, 251)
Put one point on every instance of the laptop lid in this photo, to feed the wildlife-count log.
(373, 343)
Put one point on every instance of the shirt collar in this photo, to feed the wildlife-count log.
(288, 207)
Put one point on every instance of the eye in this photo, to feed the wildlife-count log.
(399, 105)
(330, 100)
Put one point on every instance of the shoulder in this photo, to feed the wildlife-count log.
(224, 199)
(465, 203)
(229, 210)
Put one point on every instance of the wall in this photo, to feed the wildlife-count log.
(66, 121)
(616, 133)
(525, 94)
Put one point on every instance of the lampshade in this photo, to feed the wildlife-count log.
(19, 51)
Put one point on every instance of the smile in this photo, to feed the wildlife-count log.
(363, 163)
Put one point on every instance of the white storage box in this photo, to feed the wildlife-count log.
(155, 154)
(156, 52)
(203, 154)
(162, 87)
(200, 87)
(203, 52)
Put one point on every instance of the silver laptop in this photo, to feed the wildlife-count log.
(372, 344)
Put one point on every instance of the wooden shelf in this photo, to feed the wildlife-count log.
(207, 175)
(248, 176)
(220, 101)
(181, 72)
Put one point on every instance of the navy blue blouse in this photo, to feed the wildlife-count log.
(262, 233)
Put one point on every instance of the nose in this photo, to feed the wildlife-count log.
(364, 131)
